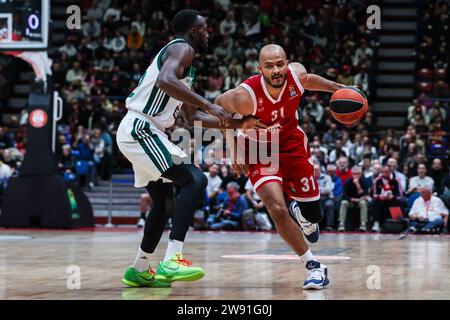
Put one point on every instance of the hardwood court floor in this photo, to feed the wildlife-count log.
(34, 265)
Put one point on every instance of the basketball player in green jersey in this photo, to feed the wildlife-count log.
(152, 107)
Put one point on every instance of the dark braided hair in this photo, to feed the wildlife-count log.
(183, 20)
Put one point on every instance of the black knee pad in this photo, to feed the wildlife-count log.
(312, 211)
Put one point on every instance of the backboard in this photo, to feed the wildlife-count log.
(24, 25)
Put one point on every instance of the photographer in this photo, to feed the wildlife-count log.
(230, 210)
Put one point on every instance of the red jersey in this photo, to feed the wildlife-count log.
(280, 114)
(294, 171)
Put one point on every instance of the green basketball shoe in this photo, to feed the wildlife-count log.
(133, 278)
(179, 269)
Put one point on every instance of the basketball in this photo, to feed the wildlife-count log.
(348, 105)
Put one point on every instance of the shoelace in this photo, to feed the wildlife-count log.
(152, 271)
(184, 262)
(308, 228)
(315, 274)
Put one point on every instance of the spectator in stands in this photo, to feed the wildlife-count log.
(411, 137)
(337, 194)
(134, 39)
(356, 194)
(345, 77)
(362, 79)
(329, 137)
(86, 152)
(230, 214)
(338, 152)
(251, 66)
(95, 11)
(419, 158)
(139, 24)
(8, 160)
(228, 25)
(75, 74)
(438, 175)
(214, 183)
(69, 49)
(99, 149)
(428, 213)
(419, 181)
(66, 163)
(343, 172)
(233, 79)
(118, 42)
(91, 28)
(363, 49)
(115, 12)
(436, 112)
(392, 163)
(386, 195)
(314, 110)
(254, 201)
(416, 109)
(326, 194)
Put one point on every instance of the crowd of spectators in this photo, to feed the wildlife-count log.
(359, 170)
(433, 48)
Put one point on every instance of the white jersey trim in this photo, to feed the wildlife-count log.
(297, 80)
(268, 94)
(252, 94)
(310, 199)
(264, 179)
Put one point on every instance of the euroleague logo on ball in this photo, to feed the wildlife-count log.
(38, 118)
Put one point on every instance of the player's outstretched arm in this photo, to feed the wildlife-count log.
(238, 101)
(178, 57)
(314, 82)
(191, 115)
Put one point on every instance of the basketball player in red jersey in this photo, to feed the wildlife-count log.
(273, 96)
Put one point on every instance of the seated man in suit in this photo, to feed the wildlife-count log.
(356, 194)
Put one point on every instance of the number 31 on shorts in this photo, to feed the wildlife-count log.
(307, 183)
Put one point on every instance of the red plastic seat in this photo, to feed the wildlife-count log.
(425, 74)
(440, 74)
(426, 87)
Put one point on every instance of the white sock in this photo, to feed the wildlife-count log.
(142, 261)
(307, 256)
(173, 247)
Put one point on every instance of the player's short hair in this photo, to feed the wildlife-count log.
(356, 169)
(183, 20)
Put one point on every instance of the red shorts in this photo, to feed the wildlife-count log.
(294, 173)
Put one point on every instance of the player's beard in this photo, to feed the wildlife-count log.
(274, 85)
(202, 47)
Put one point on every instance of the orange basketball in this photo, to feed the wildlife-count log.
(348, 105)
